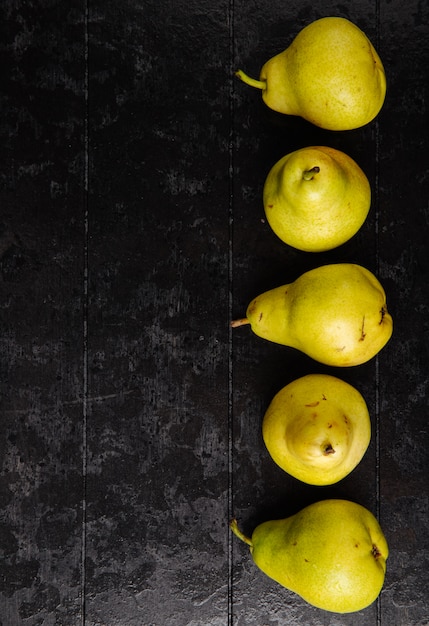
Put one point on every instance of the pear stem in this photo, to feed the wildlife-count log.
(259, 84)
(309, 174)
(241, 322)
(235, 529)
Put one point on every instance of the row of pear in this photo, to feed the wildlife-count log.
(317, 428)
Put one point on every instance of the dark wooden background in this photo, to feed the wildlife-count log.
(131, 232)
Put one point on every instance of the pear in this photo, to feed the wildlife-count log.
(316, 198)
(336, 314)
(331, 553)
(317, 428)
(330, 75)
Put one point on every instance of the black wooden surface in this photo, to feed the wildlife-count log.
(131, 232)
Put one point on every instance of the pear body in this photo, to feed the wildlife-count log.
(317, 428)
(316, 198)
(336, 314)
(332, 553)
(330, 75)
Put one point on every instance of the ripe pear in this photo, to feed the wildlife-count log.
(330, 75)
(316, 198)
(317, 428)
(332, 553)
(336, 314)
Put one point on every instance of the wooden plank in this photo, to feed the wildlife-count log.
(158, 325)
(42, 208)
(404, 257)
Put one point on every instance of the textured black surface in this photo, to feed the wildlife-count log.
(131, 232)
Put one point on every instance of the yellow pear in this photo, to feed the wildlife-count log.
(336, 314)
(317, 428)
(316, 198)
(330, 75)
(332, 553)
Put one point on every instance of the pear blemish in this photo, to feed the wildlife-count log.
(376, 552)
(362, 333)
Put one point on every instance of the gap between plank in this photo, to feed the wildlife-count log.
(230, 507)
(85, 392)
(377, 358)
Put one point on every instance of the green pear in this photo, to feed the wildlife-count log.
(330, 75)
(332, 553)
(336, 314)
(317, 428)
(316, 198)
